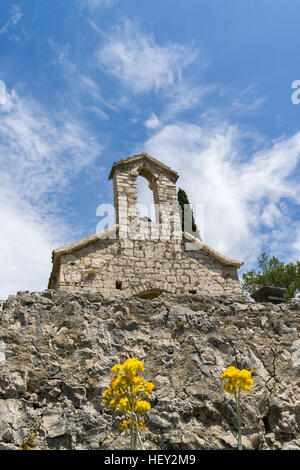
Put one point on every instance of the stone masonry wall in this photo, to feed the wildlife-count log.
(57, 349)
(144, 266)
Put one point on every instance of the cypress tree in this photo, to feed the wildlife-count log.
(187, 214)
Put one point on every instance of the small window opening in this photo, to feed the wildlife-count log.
(192, 292)
(119, 285)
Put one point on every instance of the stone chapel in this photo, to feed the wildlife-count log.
(139, 257)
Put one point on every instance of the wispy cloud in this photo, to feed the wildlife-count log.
(76, 79)
(15, 16)
(39, 157)
(234, 101)
(186, 96)
(144, 65)
(296, 244)
(243, 199)
(38, 152)
(81, 84)
(96, 28)
(139, 62)
(152, 122)
(92, 4)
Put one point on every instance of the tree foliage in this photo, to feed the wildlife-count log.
(274, 273)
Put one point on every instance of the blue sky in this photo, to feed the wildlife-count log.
(203, 86)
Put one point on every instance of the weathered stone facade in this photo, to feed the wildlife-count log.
(143, 258)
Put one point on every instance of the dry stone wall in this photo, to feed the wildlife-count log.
(123, 268)
(57, 349)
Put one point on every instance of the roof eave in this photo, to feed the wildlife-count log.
(71, 247)
(141, 156)
(199, 245)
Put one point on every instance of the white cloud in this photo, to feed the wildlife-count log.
(99, 112)
(90, 85)
(79, 83)
(39, 156)
(296, 244)
(271, 215)
(142, 65)
(26, 243)
(37, 152)
(139, 62)
(2, 92)
(243, 101)
(242, 199)
(96, 28)
(15, 16)
(74, 77)
(184, 96)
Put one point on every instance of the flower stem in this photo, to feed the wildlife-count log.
(238, 416)
(132, 431)
(138, 432)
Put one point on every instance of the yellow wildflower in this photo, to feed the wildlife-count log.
(126, 423)
(117, 369)
(237, 380)
(142, 425)
(126, 394)
(142, 406)
(124, 405)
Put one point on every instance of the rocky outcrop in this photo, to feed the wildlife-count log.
(57, 349)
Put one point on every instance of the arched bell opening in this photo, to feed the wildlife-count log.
(147, 194)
